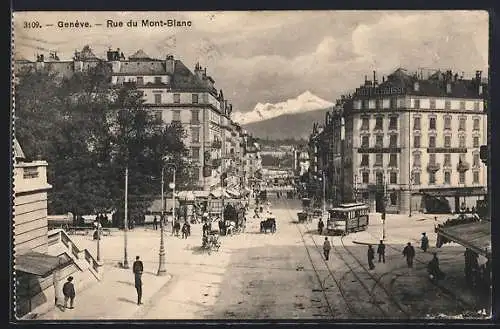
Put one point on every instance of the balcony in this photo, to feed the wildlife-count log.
(463, 166)
(433, 167)
(216, 144)
(216, 163)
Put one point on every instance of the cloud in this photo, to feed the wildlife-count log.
(269, 57)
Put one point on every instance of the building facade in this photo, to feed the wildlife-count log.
(173, 93)
(412, 142)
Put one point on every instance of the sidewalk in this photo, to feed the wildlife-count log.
(114, 297)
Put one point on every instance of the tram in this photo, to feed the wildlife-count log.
(347, 218)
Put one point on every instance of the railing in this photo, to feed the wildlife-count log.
(463, 166)
(433, 167)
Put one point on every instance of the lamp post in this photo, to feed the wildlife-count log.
(384, 205)
(125, 222)
(410, 182)
(98, 238)
(162, 262)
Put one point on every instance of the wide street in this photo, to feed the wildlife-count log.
(281, 275)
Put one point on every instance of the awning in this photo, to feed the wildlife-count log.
(475, 236)
(186, 195)
(39, 264)
(201, 194)
(454, 192)
(233, 193)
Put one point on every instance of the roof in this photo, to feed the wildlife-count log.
(39, 264)
(139, 55)
(18, 151)
(476, 236)
(143, 67)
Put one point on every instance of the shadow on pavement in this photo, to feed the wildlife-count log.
(126, 283)
(123, 299)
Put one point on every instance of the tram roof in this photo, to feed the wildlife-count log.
(349, 207)
(476, 236)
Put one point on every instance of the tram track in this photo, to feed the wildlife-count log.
(352, 270)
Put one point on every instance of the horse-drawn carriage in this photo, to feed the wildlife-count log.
(268, 224)
(234, 220)
(308, 212)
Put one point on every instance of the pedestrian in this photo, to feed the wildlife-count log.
(381, 251)
(321, 225)
(425, 242)
(69, 293)
(371, 256)
(138, 268)
(326, 248)
(155, 223)
(409, 253)
(434, 270)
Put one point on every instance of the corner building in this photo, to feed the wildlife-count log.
(416, 140)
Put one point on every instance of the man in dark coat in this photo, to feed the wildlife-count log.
(69, 293)
(155, 223)
(138, 268)
(381, 251)
(321, 225)
(425, 242)
(434, 270)
(409, 253)
(326, 248)
(371, 257)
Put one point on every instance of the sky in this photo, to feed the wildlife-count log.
(269, 57)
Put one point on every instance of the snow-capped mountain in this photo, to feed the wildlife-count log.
(303, 103)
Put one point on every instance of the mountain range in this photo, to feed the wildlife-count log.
(292, 118)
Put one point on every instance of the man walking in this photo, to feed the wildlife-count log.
(326, 248)
(138, 268)
(321, 225)
(409, 253)
(425, 242)
(371, 256)
(381, 251)
(155, 223)
(69, 293)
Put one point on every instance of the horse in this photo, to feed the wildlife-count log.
(177, 228)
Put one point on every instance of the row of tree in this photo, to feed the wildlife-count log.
(89, 131)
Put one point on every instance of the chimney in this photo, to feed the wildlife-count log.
(375, 82)
(383, 78)
(170, 64)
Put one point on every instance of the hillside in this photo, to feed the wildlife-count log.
(296, 126)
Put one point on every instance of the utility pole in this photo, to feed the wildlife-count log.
(384, 205)
(125, 221)
(98, 238)
(324, 192)
(410, 182)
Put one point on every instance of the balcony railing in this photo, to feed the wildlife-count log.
(433, 167)
(463, 166)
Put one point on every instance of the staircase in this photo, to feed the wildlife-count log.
(61, 243)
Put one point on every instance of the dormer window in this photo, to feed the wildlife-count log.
(416, 86)
(448, 88)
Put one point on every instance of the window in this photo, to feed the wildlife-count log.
(365, 141)
(447, 177)
(447, 141)
(461, 177)
(461, 124)
(393, 141)
(378, 104)
(476, 124)
(195, 153)
(194, 98)
(393, 178)
(462, 105)
(475, 140)
(196, 173)
(140, 81)
(447, 105)
(393, 103)
(475, 160)
(461, 141)
(365, 177)
(379, 123)
(157, 80)
(177, 98)
(157, 98)
(417, 103)
(379, 160)
(416, 178)
(432, 178)
(365, 124)
(475, 177)
(447, 122)
(432, 142)
(176, 115)
(432, 158)
(364, 104)
(476, 106)
(379, 141)
(393, 123)
(416, 141)
(416, 160)
(432, 104)
(393, 160)
(195, 117)
(416, 123)
(447, 160)
(158, 116)
(380, 178)
(30, 172)
(365, 160)
(195, 135)
(432, 123)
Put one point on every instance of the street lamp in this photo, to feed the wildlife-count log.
(410, 182)
(384, 205)
(125, 222)
(98, 238)
(162, 263)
